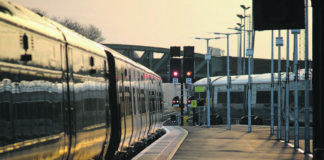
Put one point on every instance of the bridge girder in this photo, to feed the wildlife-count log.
(161, 65)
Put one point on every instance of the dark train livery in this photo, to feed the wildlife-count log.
(63, 96)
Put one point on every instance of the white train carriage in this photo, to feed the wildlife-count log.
(260, 96)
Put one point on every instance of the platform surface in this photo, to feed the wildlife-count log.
(217, 142)
(165, 147)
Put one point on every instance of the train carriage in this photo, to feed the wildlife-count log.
(260, 96)
(63, 96)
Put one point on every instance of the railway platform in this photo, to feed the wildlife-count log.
(216, 142)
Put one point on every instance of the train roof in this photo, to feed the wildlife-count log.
(255, 78)
(28, 20)
(21, 17)
(126, 59)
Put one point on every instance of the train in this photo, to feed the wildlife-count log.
(63, 96)
(260, 97)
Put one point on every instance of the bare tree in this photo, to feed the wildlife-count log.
(39, 12)
(89, 31)
(73, 25)
(93, 33)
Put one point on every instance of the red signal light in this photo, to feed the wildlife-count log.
(175, 101)
(175, 74)
(189, 101)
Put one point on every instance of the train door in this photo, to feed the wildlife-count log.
(136, 118)
(107, 109)
(142, 105)
(138, 103)
(146, 111)
(68, 99)
(128, 108)
(132, 115)
(161, 104)
(122, 110)
(114, 107)
(151, 104)
(155, 108)
(65, 101)
(138, 106)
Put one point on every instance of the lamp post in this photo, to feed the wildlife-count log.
(272, 88)
(287, 90)
(307, 109)
(240, 56)
(244, 9)
(279, 43)
(228, 80)
(249, 53)
(249, 33)
(207, 58)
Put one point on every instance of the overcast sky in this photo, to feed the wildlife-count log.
(159, 23)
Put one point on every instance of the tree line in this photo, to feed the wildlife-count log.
(89, 31)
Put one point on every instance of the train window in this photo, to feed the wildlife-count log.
(264, 97)
(91, 61)
(221, 98)
(301, 98)
(25, 42)
(25, 57)
(135, 105)
(200, 94)
(236, 97)
(92, 70)
(4, 109)
(127, 89)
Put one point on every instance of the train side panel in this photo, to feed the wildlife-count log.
(63, 97)
(90, 118)
(260, 99)
(32, 111)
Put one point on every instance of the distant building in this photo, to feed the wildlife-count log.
(216, 52)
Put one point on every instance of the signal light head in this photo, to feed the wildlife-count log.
(175, 73)
(189, 73)
(175, 101)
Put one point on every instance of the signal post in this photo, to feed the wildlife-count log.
(182, 73)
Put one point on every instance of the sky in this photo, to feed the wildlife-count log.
(162, 23)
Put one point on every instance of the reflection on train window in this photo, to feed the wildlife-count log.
(134, 97)
(4, 110)
(142, 99)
